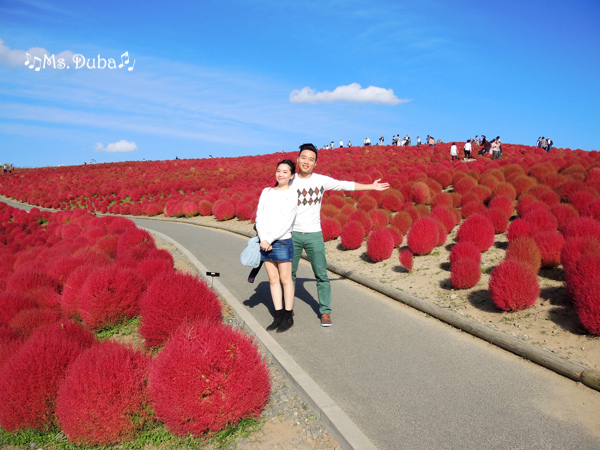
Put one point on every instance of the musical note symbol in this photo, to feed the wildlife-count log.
(132, 66)
(28, 59)
(35, 61)
(124, 59)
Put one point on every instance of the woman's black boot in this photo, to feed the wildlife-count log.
(277, 319)
(287, 323)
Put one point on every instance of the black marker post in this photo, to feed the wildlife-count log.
(212, 276)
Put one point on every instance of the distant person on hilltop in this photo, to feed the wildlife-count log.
(467, 149)
(549, 143)
(418, 141)
(349, 143)
(11, 168)
(367, 142)
(5, 167)
(453, 151)
(306, 233)
(544, 143)
(431, 141)
(381, 140)
(341, 143)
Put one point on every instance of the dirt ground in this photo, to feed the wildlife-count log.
(549, 324)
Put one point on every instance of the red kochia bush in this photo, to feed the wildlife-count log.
(11, 303)
(563, 213)
(403, 221)
(582, 226)
(587, 307)
(353, 235)
(503, 203)
(517, 228)
(27, 320)
(574, 247)
(525, 250)
(477, 229)
(29, 381)
(170, 300)
(423, 236)
(465, 249)
(134, 243)
(380, 245)
(331, 229)
(109, 296)
(550, 244)
(406, 259)
(465, 273)
(585, 269)
(498, 218)
(513, 285)
(444, 214)
(223, 210)
(104, 398)
(207, 377)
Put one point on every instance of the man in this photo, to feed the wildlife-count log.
(306, 233)
(549, 143)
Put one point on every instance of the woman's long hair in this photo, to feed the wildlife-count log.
(292, 166)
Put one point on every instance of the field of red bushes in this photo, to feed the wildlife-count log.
(548, 204)
(64, 276)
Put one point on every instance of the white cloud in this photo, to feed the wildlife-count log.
(122, 146)
(18, 58)
(351, 93)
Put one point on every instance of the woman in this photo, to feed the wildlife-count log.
(274, 220)
(454, 151)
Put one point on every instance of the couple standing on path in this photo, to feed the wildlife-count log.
(288, 220)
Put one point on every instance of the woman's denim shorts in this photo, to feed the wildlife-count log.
(283, 251)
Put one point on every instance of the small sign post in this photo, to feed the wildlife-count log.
(212, 276)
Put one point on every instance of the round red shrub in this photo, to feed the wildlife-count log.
(134, 243)
(498, 219)
(563, 213)
(104, 398)
(380, 217)
(442, 199)
(205, 208)
(464, 273)
(403, 221)
(513, 285)
(587, 307)
(505, 189)
(504, 204)
(331, 229)
(406, 259)
(118, 225)
(11, 302)
(30, 379)
(550, 245)
(69, 301)
(363, 218)
(380, 245)
(478, 230)
(466, 249)
(353, 235)
(109, 296)
(592, 209)
(517, 228)
(396, 236)
(574, 247)
(444, 215)
(420, 193)
(207, 377)
(473, 208)
(525, 250)
(151, 267)
(26, 279)
(27, 320)
(244, 211)
(582, 226)
(366, 203)
(464, 185)
(223, 210)
(541, 220)
(172, 299)
(10, 342)
(152, 209)
(423, 236)
(411, 210)
(392, 200)
(584, 270)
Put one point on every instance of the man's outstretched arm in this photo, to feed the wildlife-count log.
(375, 186)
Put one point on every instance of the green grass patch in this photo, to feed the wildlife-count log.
(123, 329)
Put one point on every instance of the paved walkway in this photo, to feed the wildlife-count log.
(406, 380)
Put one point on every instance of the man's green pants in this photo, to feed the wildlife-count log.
(314, 246)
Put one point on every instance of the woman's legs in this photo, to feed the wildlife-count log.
(274, 284)
(285, 275)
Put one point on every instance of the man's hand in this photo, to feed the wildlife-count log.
(377, 186)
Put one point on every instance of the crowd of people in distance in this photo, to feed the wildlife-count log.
(492, 147)
(7, 168)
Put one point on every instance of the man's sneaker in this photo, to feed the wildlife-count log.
(325, 320)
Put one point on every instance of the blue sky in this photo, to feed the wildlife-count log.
(232, 78)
